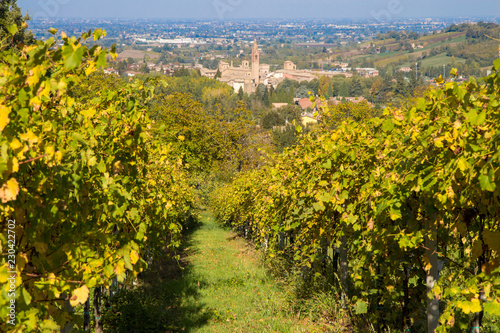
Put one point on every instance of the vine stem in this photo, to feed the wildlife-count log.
(34, 159)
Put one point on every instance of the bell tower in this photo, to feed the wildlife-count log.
(255, 63)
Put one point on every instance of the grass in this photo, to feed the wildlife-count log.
(218, 286)
(440, 60)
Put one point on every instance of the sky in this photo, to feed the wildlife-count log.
(269, 9)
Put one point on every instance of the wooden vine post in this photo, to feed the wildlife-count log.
(432, 275)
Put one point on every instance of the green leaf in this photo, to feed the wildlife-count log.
(12, 29)
(492, 308)
(126, 260)
(487, 183)
(98, 34)
(388, 125)
(26, 296)
(101, 59)
(361, 307)
(327, 165)
(318, 206)
(395, 212)
(496, 65)
(481, 118)
(49, 326)
(72, 55)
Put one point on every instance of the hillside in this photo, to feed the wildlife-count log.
(468, 43)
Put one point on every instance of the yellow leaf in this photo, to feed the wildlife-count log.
(4, 273)
(15, 144)
(134, 257)
(88, 113)
(58, 156)
(80, 296)
(44, 90)
(427, 263)
(13, 165)
(437, 292)
(9, 190)
(470, 307)
(462, 164)
(438, 142)
(117, 167)
(34, 76)
(51, 278)
(4, 116)
(89, 70)
(119, 268)
(29, 136)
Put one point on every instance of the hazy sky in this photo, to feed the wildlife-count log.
(228, 9)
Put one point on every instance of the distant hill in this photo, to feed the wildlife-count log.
(464, 44)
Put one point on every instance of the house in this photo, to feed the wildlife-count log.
(367, 72)
(111, 71)
(305, 104)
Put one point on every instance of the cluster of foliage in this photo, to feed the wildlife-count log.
(358, 112)
(377, 194)
(13, 23)
(206, 137)
(202, 89)
(91, 191)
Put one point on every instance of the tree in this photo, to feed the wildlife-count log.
(11, 20)
(181, 72)
(144, 68)
(284, 137)
(240, 93)
(272, 118)
(121, 67)
(344, 89)
(330, 90)
(401, 88)
(211, 138)
(324, 84)
(356, 89)
(218, 75)
(265, 97)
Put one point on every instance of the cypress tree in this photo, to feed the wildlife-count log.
(10, 14)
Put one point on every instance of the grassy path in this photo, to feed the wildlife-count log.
(224, 289)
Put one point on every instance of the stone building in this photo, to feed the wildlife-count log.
(246, 76)
(251, 73)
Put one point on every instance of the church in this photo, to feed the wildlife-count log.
(250, 74)
(247, 76)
